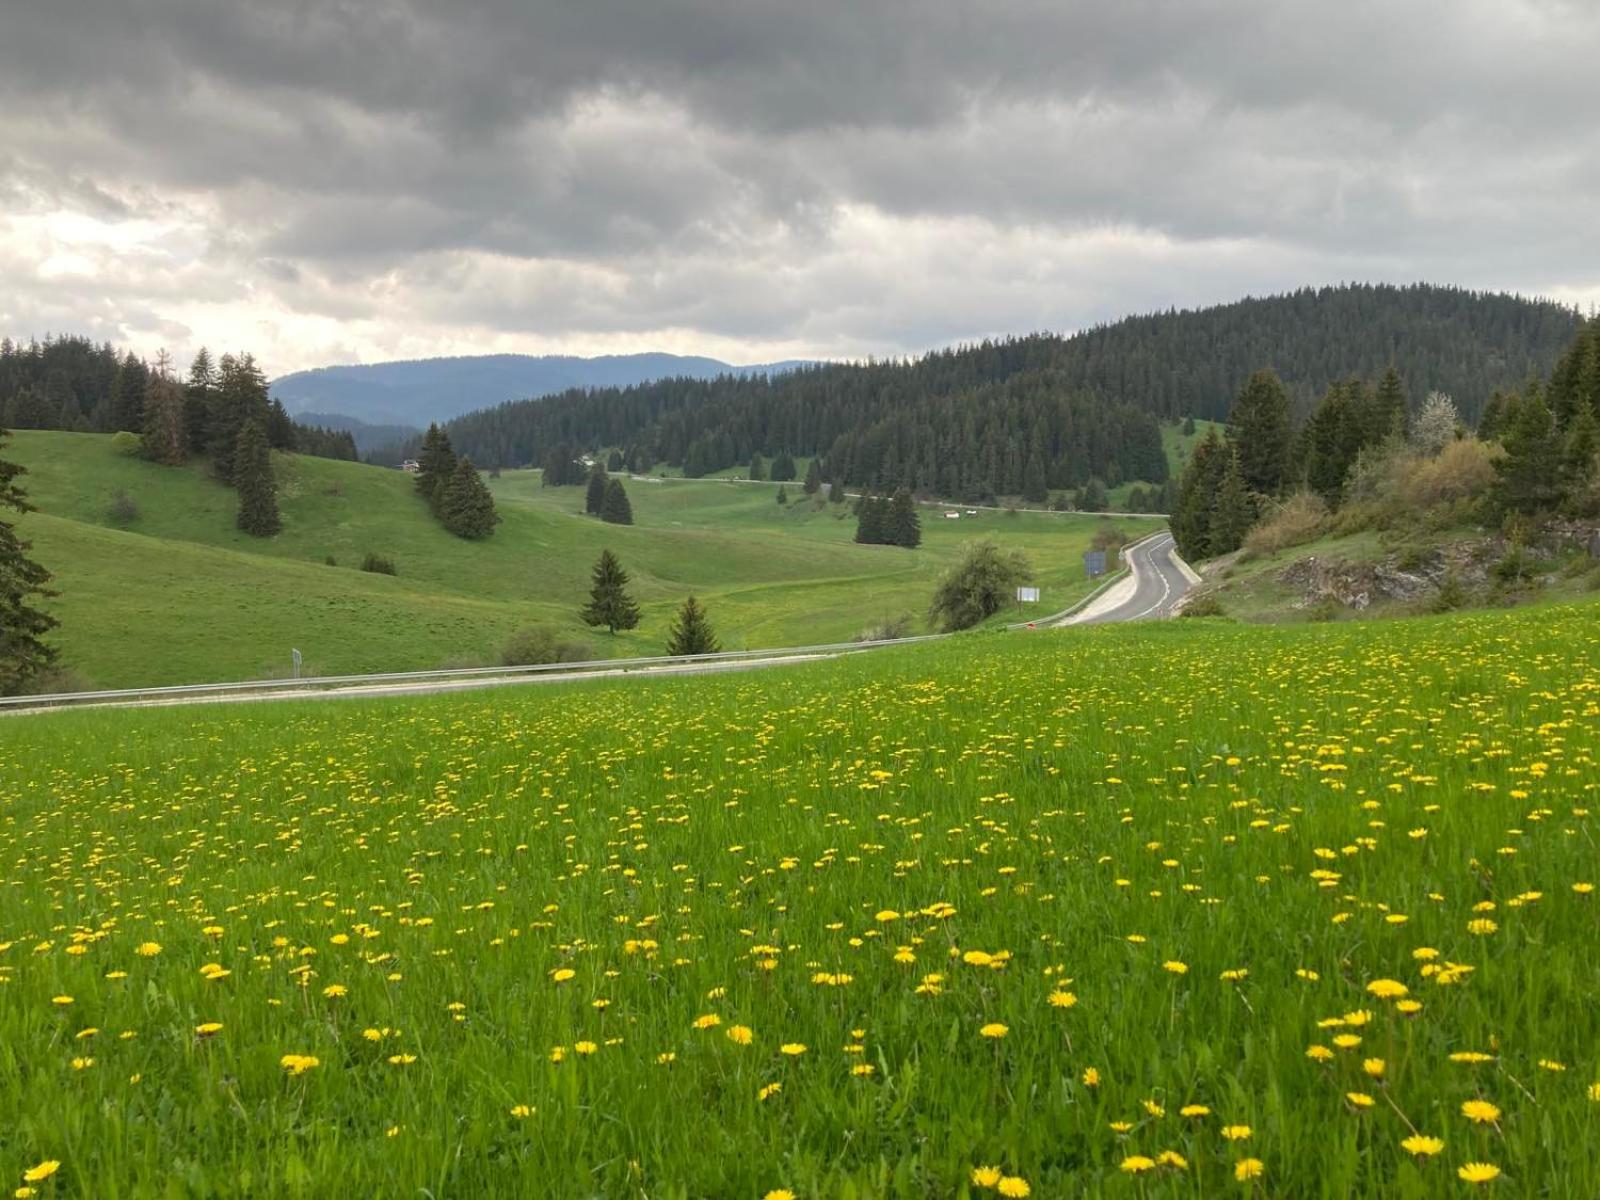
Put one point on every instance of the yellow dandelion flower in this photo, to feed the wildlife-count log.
(1479, 1172)
(986, 1177)
(42, 1171)
(792, 1049)
(1248, 1168)
(1015, 1186)
(1480, 1112)
(1136, 1164)
(1422, 1146)
(1236, 1133)
(741, 1035)
(994, 1030)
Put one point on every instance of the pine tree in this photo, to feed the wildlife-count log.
(813, 483)
(609, 602)
(199, 396)
(758, 468)
(783, 467)
(466, 507)
(904, 525)
(127, 395)
(1093, 498)
(1195, 502)
(1580, 452)
(165, 440)
(836, 491)
(783, 494)
(1233, 515)
(1258, 426)
(436, 465)
(614, 461)
(869, 521)
(1035, 489)
(1530, 470)
(23, 656)
(691, 632)
(252, 475)
(240, 398)
(595, 498)
(280, 428)
(616, 510)
(1386, 415)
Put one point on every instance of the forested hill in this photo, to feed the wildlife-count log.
(1040, 412)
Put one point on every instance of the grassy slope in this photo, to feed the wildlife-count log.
(1309, 809)
(183, 596)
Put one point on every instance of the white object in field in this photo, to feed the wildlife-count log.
(952, 516)
(1027, 595)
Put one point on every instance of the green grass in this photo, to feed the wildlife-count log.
(180, 595)
(1081, 812)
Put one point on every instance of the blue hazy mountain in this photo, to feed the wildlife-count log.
(436, 389)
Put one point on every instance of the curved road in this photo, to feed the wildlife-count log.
(1157, 579)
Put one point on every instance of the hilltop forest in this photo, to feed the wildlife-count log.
(1024, 415)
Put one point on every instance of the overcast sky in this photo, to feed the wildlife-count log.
(327, 181)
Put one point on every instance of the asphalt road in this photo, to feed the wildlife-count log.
(1157, 579)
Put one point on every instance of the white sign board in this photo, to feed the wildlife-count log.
(1027, 595)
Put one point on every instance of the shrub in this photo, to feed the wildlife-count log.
(1326, 609)
(541, 644)
(1450, 596)
(378, 564)
(124, 510)
(887, 630)
(130, 445)
(976, 587)
(1517, 567)
(330, 561)
(1298, 520)
(1462, 471)
(1205, 604)
(1108, 538)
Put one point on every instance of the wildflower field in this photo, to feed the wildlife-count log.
(1161, 911)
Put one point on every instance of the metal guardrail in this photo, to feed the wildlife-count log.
(317, 683)
(613, 665)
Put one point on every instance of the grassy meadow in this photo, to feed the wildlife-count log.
(178, 595)
(1191, 910)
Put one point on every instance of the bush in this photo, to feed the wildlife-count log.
(330, 561)
(1204, 605)
(1516, 568)
(1450, 596)
(378, 564)
(1462, 471)
(130, 445)
(1108, 538)
(1298, 520)
(984, 580)
(541, 644)
(124, 510)
(887, 630)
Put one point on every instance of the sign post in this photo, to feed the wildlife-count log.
(1094, 563)
(296, 654)
(1027, 595)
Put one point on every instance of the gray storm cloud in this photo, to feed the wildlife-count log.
(374, 178)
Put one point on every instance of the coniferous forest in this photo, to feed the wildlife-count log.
(1024, 416)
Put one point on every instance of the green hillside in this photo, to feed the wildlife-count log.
(179, 595)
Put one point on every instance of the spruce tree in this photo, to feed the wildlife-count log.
(466, 507)
(691, 633)
(836, 491)
(783, 494)
(1093, 498)
(1195, 501)
(1530, 471)
(1386, 415)
(165, 440)
(616, 510)
(783, 467)
(904, 525)
(127, 395)
(1035, 489)
(436, 465)
(869, 521)
(23, 656)
(1258, 426)
(813, 483)
(252, 475)
(199, 395)
(1233, 514)
(239, 398)
(758, 468)
(280, 428)
(609, 602)
(614, 461)
(595, 498)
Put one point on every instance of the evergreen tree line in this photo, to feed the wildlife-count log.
(925, 423)
(606, 498)
(1548, 432)
(71, 384)
(612, 606)
(455, 492)
(886, 521)
(24, 655)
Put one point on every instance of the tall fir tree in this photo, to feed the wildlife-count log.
(1258, 426)
(127, 395)
(1233, 513)
(870, 521)
(595, 498)
(280, 426)
(758, 468)
(23, 654)
(904, 525)
(616, 510)
(199, 396)
(240, 399)
(165, 439)
(691, 633)
(1530, 470)
(436, 464)
(813, 483)
(609, 602)
(466, 507)
(1386, 415)
(1195, 503)
(836, 492)
(783, 467)
(252, 476)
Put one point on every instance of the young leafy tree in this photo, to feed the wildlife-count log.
(616, 510)
(466, 507)
(982, 582)
(595, 498)
(691, 633)
(23, 656)
(1258, 425)
(609, 602)
(252, 475)
(903, 525)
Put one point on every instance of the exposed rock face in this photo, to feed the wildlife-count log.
(1406, 577)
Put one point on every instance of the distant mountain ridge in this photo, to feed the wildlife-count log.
(414, 393)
